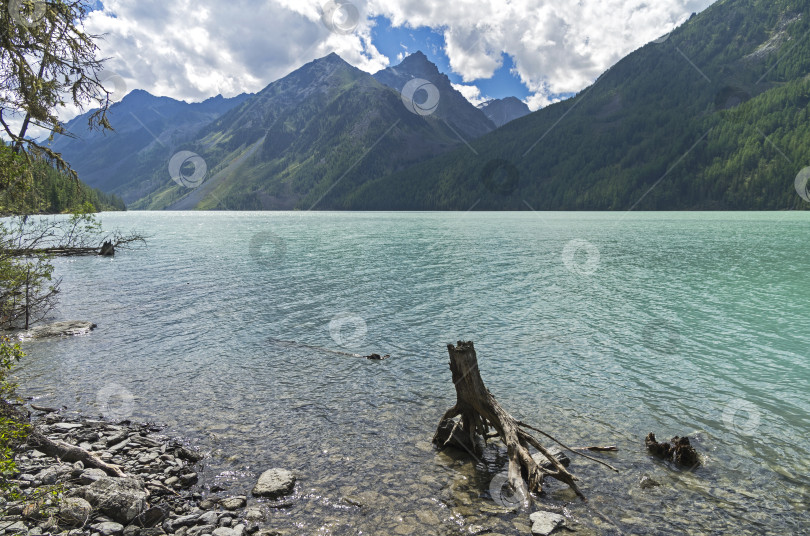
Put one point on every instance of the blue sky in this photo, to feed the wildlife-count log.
(395, 41)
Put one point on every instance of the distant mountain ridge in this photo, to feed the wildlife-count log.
(283, 147)
(502, 111)
(712, 116)
(114, 161)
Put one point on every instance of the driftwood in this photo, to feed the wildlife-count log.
(107, 249)
(680, 451)
(70, 453)
(478, 412)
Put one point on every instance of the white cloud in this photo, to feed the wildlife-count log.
(557, 47)
(194, 49)
(471, 93)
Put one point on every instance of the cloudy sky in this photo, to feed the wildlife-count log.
(537, 50)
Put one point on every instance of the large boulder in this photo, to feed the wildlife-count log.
(122, 499)
(74, 511)
(274, 483)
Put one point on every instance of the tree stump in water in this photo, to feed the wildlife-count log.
(107, 249)
(479, 412)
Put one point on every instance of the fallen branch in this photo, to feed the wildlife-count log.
(566, 447)
(70, 453)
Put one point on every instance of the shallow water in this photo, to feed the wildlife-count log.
(597, 327)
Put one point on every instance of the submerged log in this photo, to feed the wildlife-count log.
(107, 249)
(478, 412)
(679, 451)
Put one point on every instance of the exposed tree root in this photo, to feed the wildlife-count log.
(478, 412)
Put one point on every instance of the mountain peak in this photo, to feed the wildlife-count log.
(418, 63)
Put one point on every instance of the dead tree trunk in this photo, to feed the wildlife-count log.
(70, 453)
(479, 411)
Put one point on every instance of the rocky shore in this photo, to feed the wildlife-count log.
(156, 496)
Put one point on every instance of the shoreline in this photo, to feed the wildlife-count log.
(158, 494)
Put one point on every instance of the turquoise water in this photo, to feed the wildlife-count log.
(596, 327)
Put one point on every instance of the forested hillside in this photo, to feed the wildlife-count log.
(48, 191)
(713, 116)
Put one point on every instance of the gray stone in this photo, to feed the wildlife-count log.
(648, 482)
(65, 426)
(233, 503)
(89, 476)
(16, 527)
(74, 511)
(59, 329)
(207, 504)
(239, 530)
(119, 446)
(544, 523)
(188, 479)
(149, 457)
(223, 531)
(52, 475)
(120, 498)
(254, 513)
(108, 528)
(184, 521)
(201, 529)
(150, 518)
(274, 483)
(208, 518)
